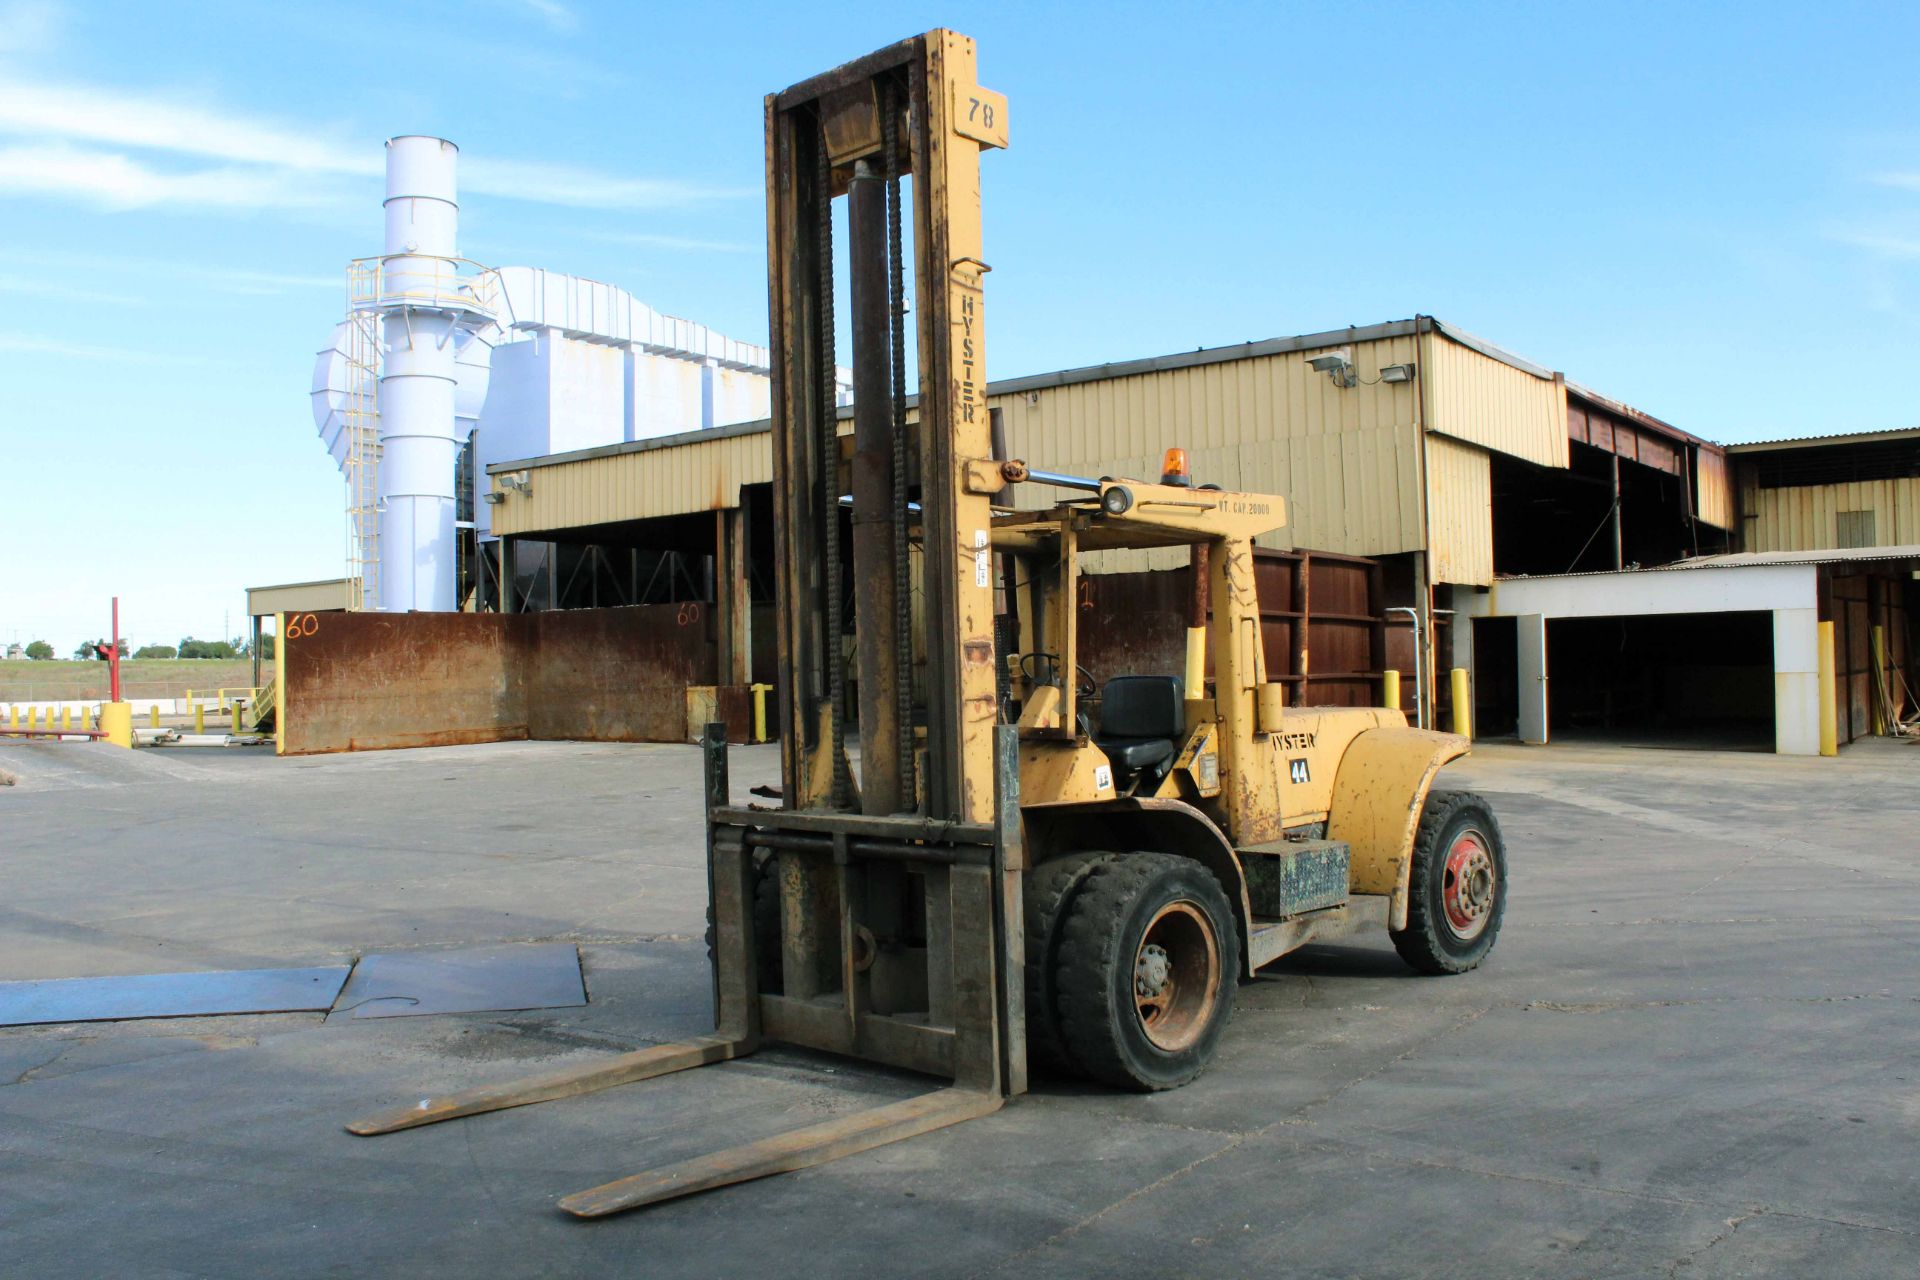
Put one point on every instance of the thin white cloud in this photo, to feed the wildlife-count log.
(59, 267)
(554, 14)
(1904, 248)
(29, 26)
(1901, 181)
(269, 282)
(583, 188)
(110, 180)
(96, 115)
(272, 151)
(64, 290)
(34, 344)
(661, 241)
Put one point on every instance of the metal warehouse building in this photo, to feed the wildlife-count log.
(1432, 478)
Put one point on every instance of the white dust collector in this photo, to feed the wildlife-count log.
(425, 311)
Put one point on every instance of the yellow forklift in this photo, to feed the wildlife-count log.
(987, 875)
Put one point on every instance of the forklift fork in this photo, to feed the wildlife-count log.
(986, 1041)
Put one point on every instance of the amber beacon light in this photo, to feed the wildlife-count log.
(1173, 469)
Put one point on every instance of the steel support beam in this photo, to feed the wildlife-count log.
(876, 545)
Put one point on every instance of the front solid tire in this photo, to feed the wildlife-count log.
(1148, 963)
(1457, 886)
(1050, 889)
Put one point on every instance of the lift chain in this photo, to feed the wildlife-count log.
(829, 508)
(897, 314)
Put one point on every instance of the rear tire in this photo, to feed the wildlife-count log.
(1457, 886)
(1049, 891)
(1148, 964)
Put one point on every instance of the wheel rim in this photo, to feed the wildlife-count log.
(1176, 976)
(1468, 885)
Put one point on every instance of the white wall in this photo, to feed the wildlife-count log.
(587, 395)
(1789, 592)
(664, 395)
(513, 423)
(1796, 682)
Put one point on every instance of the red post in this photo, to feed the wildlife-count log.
(113, 655)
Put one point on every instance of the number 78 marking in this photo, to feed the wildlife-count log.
(980, 114)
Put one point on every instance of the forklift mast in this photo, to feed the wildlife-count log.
(912, 110)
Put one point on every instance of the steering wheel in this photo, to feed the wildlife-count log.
(1085, 687)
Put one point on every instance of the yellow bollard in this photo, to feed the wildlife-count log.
(13, 715)
(199, 718)
(760, 712)
(153, 716)
(1829, 710)
(236, 719)
(116, 724)
(1390, 690)
(66, 718)
(1462, 704)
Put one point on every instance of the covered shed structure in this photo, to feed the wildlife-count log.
(1432, 460)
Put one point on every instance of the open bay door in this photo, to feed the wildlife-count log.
(1530, 631)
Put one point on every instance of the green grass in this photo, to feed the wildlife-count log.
(153, 678)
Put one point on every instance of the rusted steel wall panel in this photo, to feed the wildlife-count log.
(1713, 487)
(371, 681)
(1135, 624)
(618, 675)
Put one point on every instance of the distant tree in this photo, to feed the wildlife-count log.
(266, 647)
(157, 651)
(91, 649)
(191, 648)
(39, 650)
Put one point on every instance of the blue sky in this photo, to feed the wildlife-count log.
(1709, 211)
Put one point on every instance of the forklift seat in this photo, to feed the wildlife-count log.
(1141, 718)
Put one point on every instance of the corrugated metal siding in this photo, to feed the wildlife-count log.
(702, 475)
(1459, 512)
(1713, 487)
(1346, 459)
(1496, 406)
(1807, 518)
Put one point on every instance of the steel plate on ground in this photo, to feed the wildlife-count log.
(169, 995)
(474, 980)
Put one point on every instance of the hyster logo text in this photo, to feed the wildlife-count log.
(1296, 742)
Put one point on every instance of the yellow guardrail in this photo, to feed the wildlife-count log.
(224, 699)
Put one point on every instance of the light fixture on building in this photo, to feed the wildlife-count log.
(521, 483)
(1396, 372)
(1337, 365)
(495, 498)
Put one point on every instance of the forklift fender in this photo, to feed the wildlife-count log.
(1378, 793)
(1141, 824)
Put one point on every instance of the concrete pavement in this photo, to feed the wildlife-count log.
(1695, 1050)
